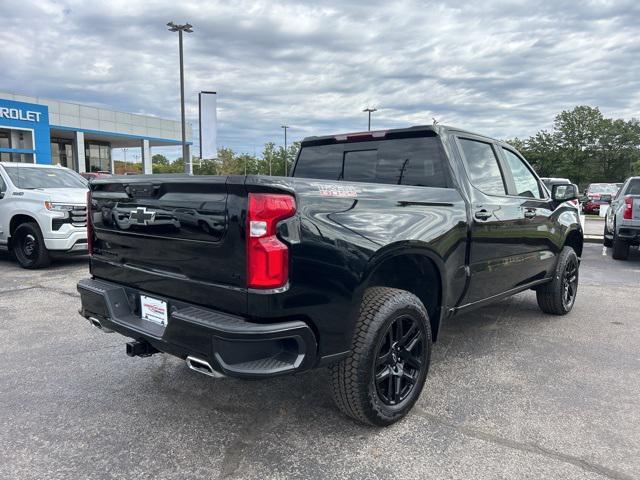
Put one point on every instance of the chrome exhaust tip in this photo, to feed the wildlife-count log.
(96, 323)
(202, 366)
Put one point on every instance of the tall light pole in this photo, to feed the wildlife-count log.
(286, 153)
(369, 111)
(185, 151)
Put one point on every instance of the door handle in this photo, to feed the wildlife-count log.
(482, 214)
(530, 213)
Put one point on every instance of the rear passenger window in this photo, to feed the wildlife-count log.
(482, 166)
(526, 183)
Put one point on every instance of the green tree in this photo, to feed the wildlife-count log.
(159, 159)
(578, 131)
(205, 167)
(585, 147)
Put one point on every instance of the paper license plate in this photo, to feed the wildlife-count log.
(153, 310)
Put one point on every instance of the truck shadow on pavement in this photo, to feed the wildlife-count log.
(7, 261)
(304, 400)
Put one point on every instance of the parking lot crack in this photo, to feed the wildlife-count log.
(526, 447)
(72, 294)
(17, 289)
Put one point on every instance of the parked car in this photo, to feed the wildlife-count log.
(352, 263)
(598, 194)
(622, 222)
(42, 211)
(549, 182)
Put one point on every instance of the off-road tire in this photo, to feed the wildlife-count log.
(551, 296)
(39, 256)
(620, 250)
(353, 385)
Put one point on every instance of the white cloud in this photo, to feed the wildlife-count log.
(501, 68)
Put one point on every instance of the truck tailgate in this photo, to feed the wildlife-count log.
(171, 235)
(635, 209)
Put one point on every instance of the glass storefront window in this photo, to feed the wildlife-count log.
(98, 156)
(4, 139)
(22, 157)
(62, 152)
(16, 139)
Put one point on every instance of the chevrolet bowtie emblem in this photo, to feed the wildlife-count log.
(141, 217)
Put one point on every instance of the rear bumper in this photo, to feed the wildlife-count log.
(231, 344)
(630, 234)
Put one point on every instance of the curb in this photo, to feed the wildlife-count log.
(594, 239)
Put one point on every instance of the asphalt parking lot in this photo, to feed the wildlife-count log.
(512, 393)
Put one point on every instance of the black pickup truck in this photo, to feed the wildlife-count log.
(353, 262)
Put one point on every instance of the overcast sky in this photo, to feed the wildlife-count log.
(501, 68)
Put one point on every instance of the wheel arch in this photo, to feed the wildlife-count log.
(412, 267)
(17, 220)
(575, 240)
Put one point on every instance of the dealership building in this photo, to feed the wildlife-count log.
(80, 137)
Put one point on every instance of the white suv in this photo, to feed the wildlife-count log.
(42, 210)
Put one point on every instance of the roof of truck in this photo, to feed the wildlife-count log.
(373, 134)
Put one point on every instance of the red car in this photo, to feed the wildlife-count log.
(599, 194)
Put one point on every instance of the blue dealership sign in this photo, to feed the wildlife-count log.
(28, 116)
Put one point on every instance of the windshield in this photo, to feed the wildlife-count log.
(603, 188)
(31, 177)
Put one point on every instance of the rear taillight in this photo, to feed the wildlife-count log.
(89, 225)
(267, 256)
(628, 207)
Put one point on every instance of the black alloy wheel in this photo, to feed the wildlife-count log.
(399, 360)
(570, 283)
(382, 377)
(559, 295)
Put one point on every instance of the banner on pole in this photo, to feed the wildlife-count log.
(208, 120)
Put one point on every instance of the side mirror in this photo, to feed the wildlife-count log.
(605, 198)
(1, 195)
(564, 193)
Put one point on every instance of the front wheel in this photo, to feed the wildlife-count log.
(28, 246)
(559, 295)
(381, 379)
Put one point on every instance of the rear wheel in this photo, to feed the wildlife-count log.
(383, 376)
(620, 247)
(559, 295)
(28, 246)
